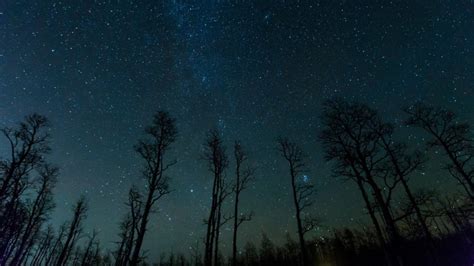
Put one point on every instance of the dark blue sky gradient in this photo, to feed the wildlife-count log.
(253, 69)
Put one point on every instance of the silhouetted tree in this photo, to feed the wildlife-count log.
(57, 246)
(221, 220)
(458, 212)
(37, 212)
(250, 256)
(406, 215)
(96, 257)
(27, 146)
(355, 138)
(74, 231)
(290, 252)
(215, 155)
(267, 251)
(43, 247)
(160, 135)
(402, 165)
(27, 143)
(451, 136)
(75, 257)
(302, 190)
(349, 140)
(242, 179)
(128, 227)
(88, 256)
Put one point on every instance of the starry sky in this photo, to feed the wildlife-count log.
(254, 69)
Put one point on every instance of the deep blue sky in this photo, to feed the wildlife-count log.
(254, 69)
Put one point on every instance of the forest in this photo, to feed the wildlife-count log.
(406, 226)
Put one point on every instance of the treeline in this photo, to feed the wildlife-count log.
(407, 226)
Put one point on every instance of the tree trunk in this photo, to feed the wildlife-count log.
(217, 232)
(211, 225)
(142, 229)
(304, 253)
(389, 257)
(234, 237)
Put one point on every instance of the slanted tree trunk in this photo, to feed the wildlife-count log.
(161, 134)
(41, 206)
(87, 252)
(350, 139)
(451, 136)
(74, 230)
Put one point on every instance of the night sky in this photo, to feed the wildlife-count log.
(253, 69)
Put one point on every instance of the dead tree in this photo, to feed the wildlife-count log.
(153, 149)
(75, 258)
(27, 146)
(43, 247)
(349, 140)
(56, 247)
(129, 227)
(451, 136)
(121, 254)
(302, 190)
(221, 220)
(87, 255)
(96, 257)
(402, 164)
(406, 210)
(37, 212)
(74, 231)
(458, 212)
(215, 155)
(242, 179)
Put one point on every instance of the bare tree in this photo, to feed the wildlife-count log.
(27, 146)
(76, 256)
(451, 136)
(125, 234)
(403, 165)
(129, 227)
(27, 143)
(56, 247)
(160, 135)
(302, 190)
(216, 157)
(458, 211)
(242, 178)
(96, 258)
(43, 247)
(87, 256)
(349, 140)
(74, 231)
(37, 212)
(221, 220)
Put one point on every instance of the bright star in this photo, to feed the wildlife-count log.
(305, 178)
